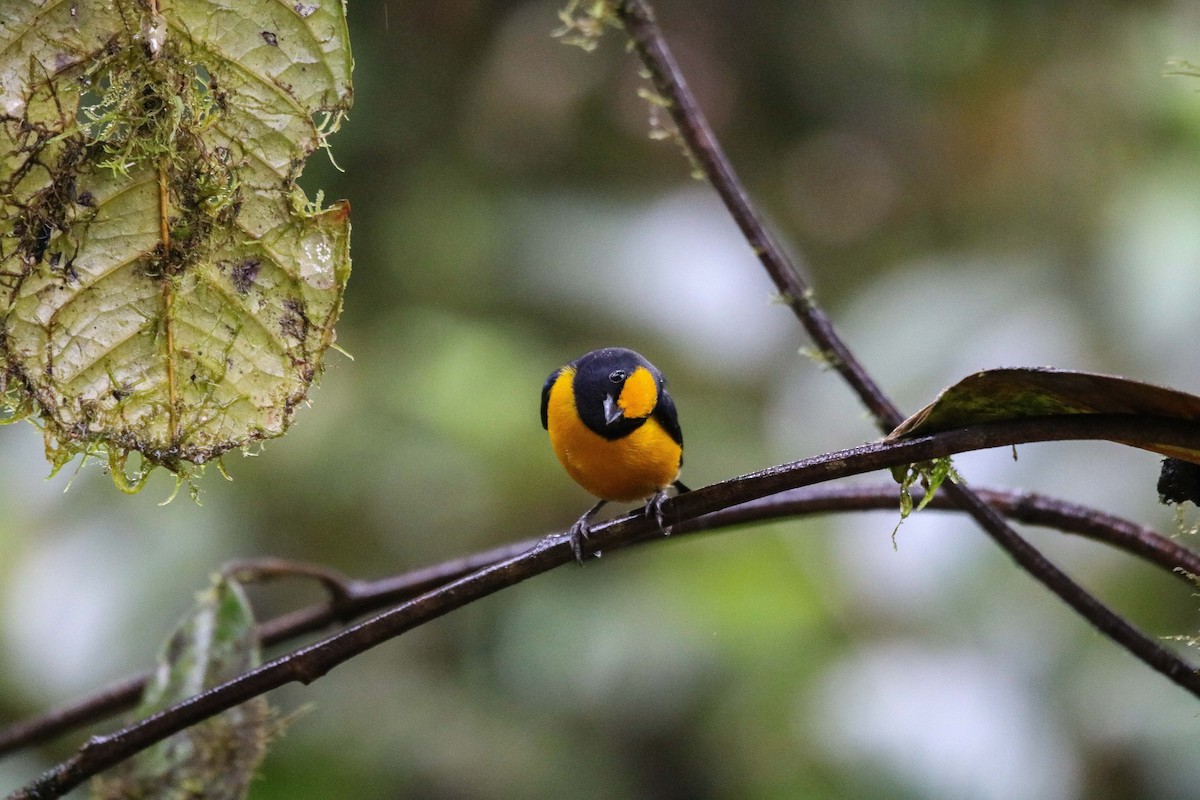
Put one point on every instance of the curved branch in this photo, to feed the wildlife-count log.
(309, 663)
(357, 599)
(369, 596)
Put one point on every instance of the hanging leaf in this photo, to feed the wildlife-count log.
(216, 759)
(165, 286)
(1008, 394)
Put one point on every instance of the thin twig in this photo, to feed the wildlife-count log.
(360, 597)
(1031, 508)
(693, 127)
(109, 701)
(698, 135)
(309, 663)
(340, 587)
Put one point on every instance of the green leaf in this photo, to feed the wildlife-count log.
(165, 286)
(930, 474)
(215, 759)
(1009, 394)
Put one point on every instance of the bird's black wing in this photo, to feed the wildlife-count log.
(546, 396)
(666, 415)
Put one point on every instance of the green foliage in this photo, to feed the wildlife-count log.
(584, 21)
(215, 759)
(930, 475)
(165, 286)
(823, 359)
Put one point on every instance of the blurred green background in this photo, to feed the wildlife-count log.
(968, 184)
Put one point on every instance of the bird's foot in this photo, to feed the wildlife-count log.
(654, 510)
(579, 536)
(579, 533)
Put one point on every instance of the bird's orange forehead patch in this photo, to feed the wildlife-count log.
(639, 395)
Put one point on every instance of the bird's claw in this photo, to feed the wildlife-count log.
(579, 536)
(654, 510)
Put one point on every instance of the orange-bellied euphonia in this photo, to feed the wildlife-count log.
(614, 428)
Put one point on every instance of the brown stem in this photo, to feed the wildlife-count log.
(309, 663)
(693, 127)
(640, 24)
(360, 597)
(1029, 507)
(369, 596)
(341, 589)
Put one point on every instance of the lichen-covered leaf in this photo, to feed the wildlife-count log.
(165, 286)
(1008, 394)
(216, 759)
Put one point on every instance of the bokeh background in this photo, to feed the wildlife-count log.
(968, 184)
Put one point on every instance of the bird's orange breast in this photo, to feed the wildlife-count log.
(631, 468)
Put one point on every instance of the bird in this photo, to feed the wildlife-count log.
(614, 427)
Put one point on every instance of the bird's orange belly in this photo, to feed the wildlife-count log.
(631, 468)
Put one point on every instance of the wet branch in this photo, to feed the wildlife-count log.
(311, 662)
(363, 597)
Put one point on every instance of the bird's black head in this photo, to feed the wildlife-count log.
(615, 390)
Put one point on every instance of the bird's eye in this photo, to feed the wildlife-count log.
(616, 376)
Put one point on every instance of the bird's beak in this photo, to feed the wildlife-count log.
(612, 411)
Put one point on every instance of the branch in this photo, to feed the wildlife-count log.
(370, 596)
(647, 38)
(693, 127)
(1029, 507)
(309, 663)
(355, 599)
